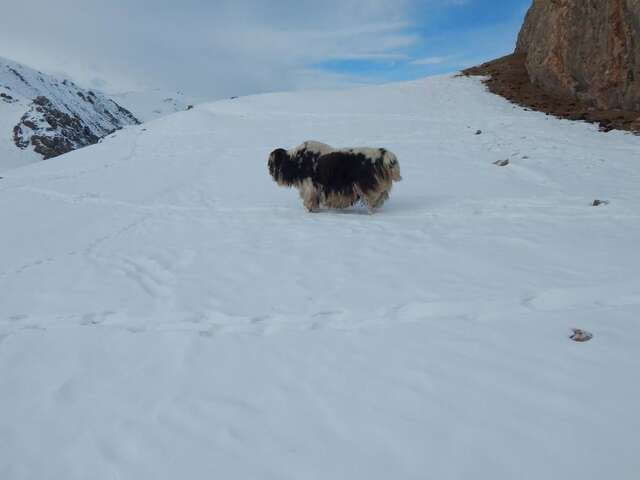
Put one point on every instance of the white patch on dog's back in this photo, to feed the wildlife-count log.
(312, 146)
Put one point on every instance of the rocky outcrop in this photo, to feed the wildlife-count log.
(586, 49)
(508, 78)
(52, 132)
(55, 116)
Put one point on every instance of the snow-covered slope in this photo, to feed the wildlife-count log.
(149, 105)
(42, 116)
(167, 311)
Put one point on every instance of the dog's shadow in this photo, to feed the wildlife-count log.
(355, 210)
(395, 206)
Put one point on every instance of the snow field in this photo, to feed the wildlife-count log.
(167, 310)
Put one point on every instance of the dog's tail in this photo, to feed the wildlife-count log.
(390, 161)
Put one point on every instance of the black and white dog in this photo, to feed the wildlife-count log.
(336, 178)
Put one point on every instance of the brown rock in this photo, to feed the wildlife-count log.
(588, 49)
(581, 336)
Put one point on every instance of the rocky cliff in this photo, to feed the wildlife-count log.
(586, 49)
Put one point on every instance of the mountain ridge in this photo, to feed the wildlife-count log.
(48, 117)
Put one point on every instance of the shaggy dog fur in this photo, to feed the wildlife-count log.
(336, 178)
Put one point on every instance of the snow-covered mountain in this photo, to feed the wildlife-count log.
(149, 105)
(43, 117)
(167, 311)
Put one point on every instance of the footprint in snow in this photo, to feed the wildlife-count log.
(327, 313)
(260, 318)
(89, 319)
(136, 330)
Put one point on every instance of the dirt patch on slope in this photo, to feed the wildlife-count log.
(508, 78)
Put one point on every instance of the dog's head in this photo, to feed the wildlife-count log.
(277, 159)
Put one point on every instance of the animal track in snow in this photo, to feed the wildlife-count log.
(572, 298)
(150, 275)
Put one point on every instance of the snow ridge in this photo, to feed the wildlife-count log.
(149, 105)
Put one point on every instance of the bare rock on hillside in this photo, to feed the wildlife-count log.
(588, 49)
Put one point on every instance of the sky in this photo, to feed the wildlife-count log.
(218, 48)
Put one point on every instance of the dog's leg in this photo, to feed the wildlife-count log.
(310, 195)
(371, 204)
(371, 201)
(375, 201)
(312, 203)
(384, 196)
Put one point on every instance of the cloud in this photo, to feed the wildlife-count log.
(212, 49)
(217, 48)
(431, 61)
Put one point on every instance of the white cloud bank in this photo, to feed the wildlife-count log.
(209, 48)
